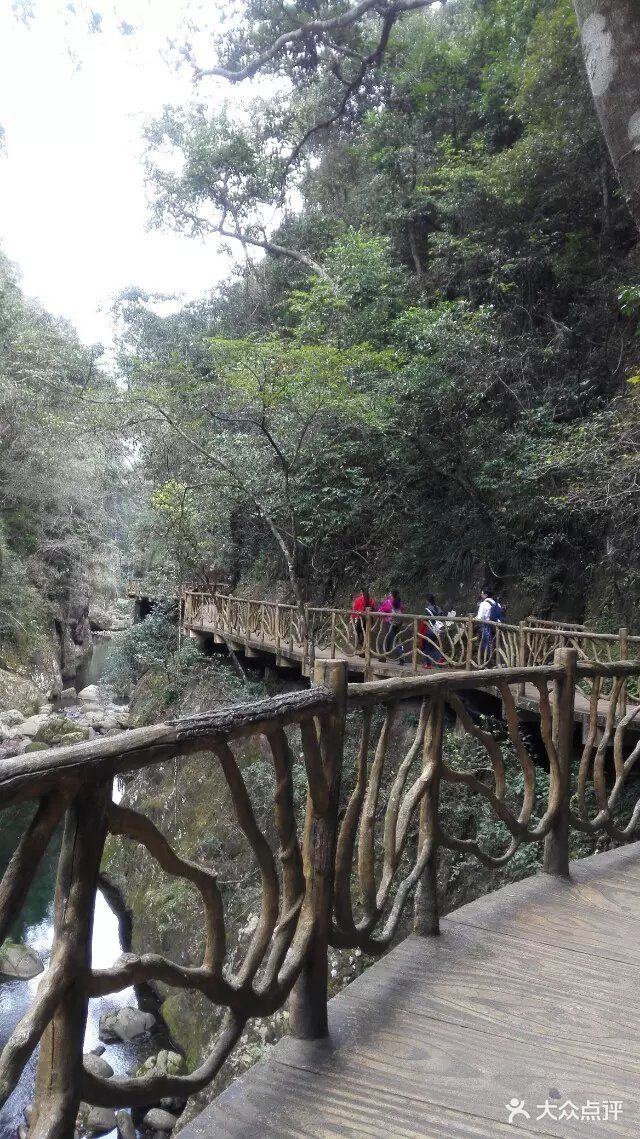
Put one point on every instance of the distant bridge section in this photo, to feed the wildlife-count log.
(374, 647)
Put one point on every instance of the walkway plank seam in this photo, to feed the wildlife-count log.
(436, 1037)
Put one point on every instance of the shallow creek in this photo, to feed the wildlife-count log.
(35, 929)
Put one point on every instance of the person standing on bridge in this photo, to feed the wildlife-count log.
(429, 633)
(392, 607)
(362, 604)
(489, 610)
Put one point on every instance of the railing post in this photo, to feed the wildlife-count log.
(306, 643)
(59, 1071)
(624, 655)
(522, 655)
(469, 655)
(277, 631)
(556, 844)
(367, 644)
(426, 919)
(308, 1002)
(414, 650)
(333, 634)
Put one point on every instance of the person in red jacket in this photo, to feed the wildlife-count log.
(363, 603)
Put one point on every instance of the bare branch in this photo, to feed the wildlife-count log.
(311, 30)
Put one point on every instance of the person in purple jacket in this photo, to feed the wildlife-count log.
(392, 607)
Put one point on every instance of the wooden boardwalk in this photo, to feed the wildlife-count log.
(261, 647)
(530, 992)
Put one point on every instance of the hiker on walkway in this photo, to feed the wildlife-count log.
(488, 610)
(362, 604)
(392, 607)
(429, 631)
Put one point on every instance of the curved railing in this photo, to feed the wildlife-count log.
(374, 644)
(343, 866)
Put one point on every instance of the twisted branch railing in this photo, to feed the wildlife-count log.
(412, 641)
(376, 767)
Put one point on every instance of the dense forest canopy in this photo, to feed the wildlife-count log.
(423, 370)
(459, 236)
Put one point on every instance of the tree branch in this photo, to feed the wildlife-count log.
(312, 30)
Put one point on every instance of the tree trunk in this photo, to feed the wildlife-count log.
(610, 33)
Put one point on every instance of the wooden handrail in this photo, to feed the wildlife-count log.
(374, 640)
(361, 838)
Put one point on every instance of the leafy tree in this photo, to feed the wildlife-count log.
(246, 433)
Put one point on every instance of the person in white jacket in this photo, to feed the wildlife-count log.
(485, 609)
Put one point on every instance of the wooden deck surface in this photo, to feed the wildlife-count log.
(382, 669)
(530, 992)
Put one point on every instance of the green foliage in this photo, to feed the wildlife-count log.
(151, 646)
(457, 326)
(59, 484)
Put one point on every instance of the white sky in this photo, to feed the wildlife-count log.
(72, 198)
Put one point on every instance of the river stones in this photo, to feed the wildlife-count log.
(14, 746)
(100, 1120)
(19, 961)
(124, 1024)
(32, 725)
(126, 1129)
(166, 1063)
(97, 1066)
(158, 1119)
(11, 718)
(90, 694)
(59, 730)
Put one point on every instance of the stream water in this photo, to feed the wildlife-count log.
(36, 930)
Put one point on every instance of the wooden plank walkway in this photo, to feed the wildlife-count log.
(383, 669)
(530, 992)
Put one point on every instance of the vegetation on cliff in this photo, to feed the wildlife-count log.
(59, 490)
(458, 239)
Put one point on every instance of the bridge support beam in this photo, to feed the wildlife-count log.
(556, 844)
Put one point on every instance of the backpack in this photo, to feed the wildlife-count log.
(497, 612)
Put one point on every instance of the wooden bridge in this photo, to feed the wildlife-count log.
(528, 995)
(372, 646)
(377, 646)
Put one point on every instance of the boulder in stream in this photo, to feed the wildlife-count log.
(126, 1129)
(159, 1120)
(90, 694)
(97, 1066)
(124, 1024)
(59, 730)
(32, 726)
(19, 961)
(99, 1120)
(11, 718)
(166, 1063)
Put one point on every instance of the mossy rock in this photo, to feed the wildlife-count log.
(59, 730)
(166, 1063)
(19, 961)
(34, 746)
